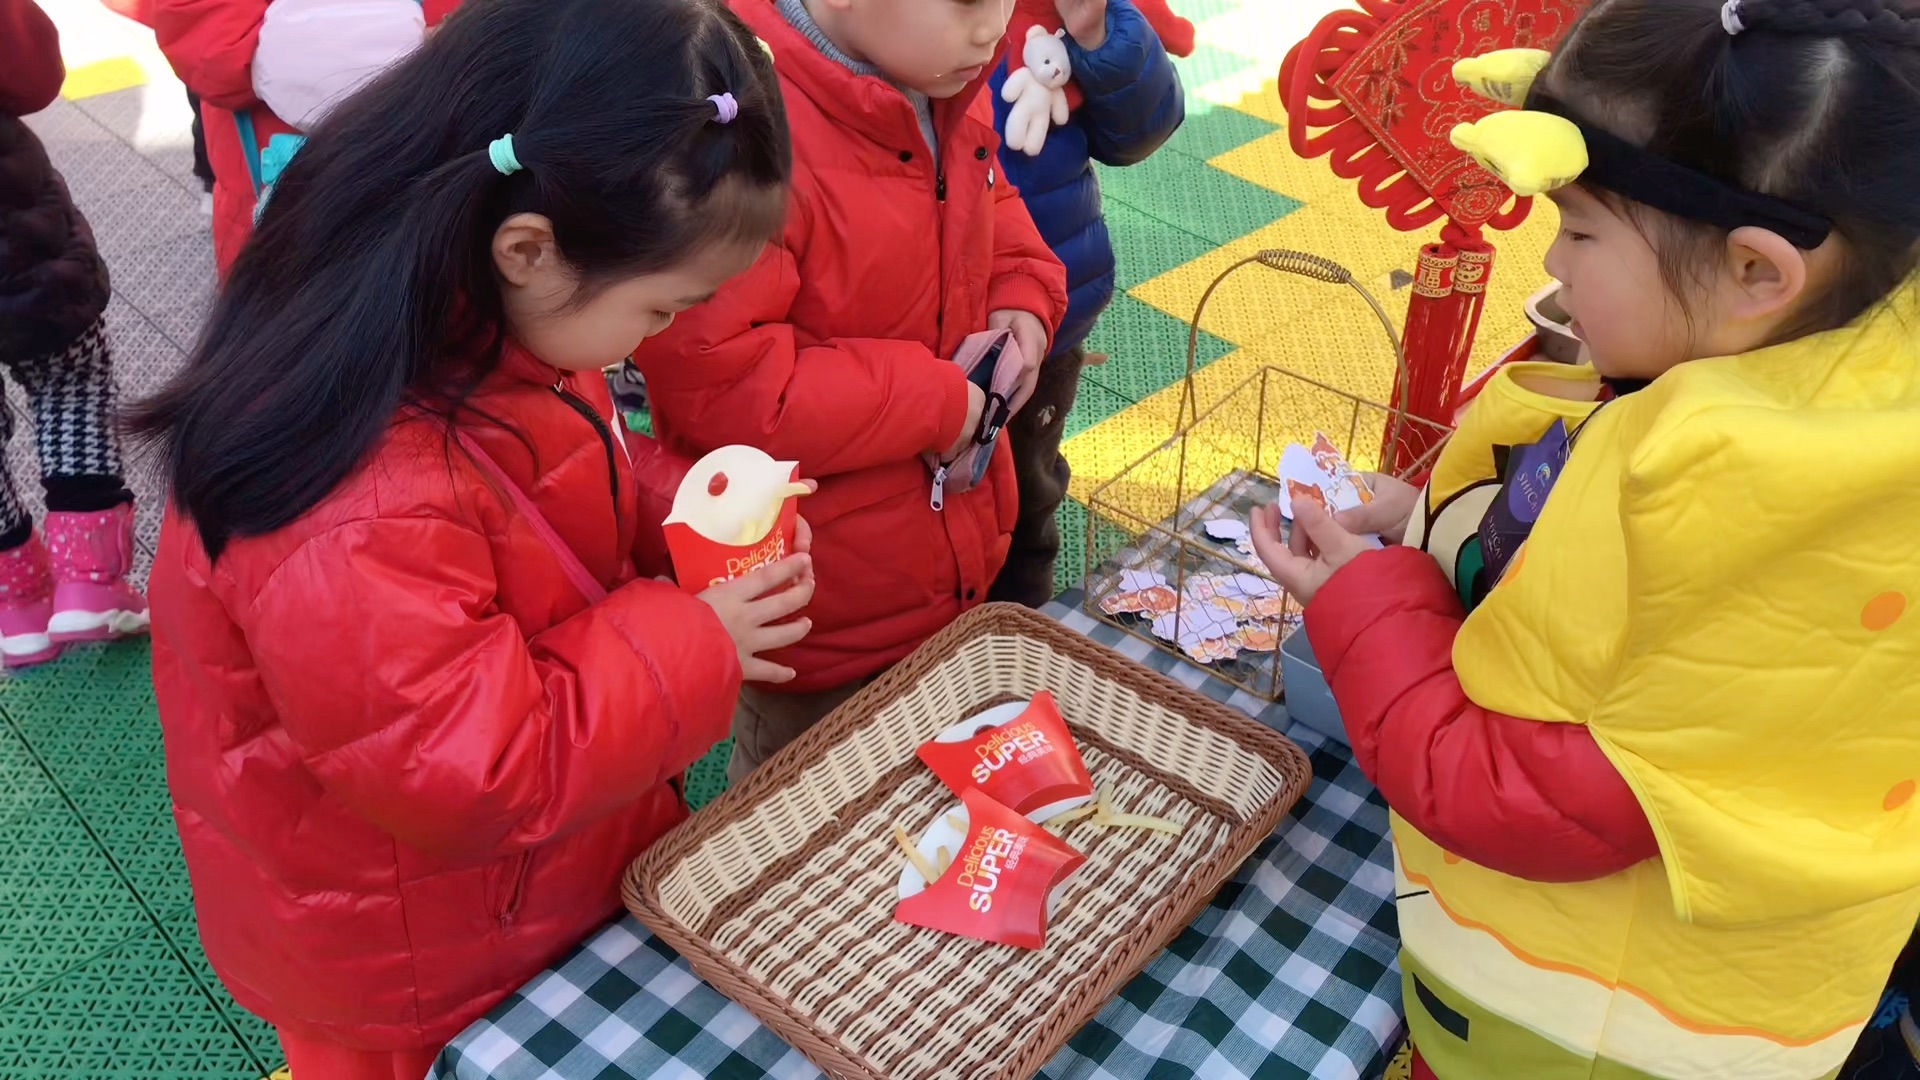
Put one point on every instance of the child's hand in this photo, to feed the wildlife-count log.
(752, 609)
(1387, 515)
(1030, 334)
(1085, 20)
(1320, 547)
(976, 407)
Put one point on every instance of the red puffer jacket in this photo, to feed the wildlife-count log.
(210, 44)
(833, 351)
(408, 761)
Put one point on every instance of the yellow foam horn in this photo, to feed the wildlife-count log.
(1531, 152)
(1505, 76)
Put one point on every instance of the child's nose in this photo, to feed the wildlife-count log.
(1555, 260)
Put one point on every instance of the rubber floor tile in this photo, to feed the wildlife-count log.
(1190, 195)
(1071, 565)
(255, 1034)
(707, 779)
(1148, 349)
(92, 720)
(1210, 131)
(1094, 404)
(135, 1012)
(1212, 63)
(130, 814)
(1074, 518)
(1144, 247)
(89, 716)
(61, 901)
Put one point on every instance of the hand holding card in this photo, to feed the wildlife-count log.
(1342, 487)
(1325, 548)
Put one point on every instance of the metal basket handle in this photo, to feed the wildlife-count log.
(1315, 268)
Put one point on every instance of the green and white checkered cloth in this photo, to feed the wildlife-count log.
(1289, 972)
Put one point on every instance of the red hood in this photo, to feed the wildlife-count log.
(871, 106)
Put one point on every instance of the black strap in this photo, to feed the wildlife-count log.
(1645, 177)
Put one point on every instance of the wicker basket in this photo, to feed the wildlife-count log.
(781, 892)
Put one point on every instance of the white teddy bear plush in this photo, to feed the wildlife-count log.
(1037, 92)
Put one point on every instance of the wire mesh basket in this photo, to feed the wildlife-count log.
(1207, 598)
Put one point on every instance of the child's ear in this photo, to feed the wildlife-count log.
(1768, 274)
(523, 249)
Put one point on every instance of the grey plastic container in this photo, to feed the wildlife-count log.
(1309, 699)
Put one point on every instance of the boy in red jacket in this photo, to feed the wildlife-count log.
(834, 351)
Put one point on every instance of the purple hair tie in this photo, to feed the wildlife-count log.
(726, 108)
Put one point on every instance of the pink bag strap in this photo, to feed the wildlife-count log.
(570, 563)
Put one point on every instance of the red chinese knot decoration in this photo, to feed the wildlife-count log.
(1372, 90)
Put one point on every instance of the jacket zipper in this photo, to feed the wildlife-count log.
(580, 405)
(938, 498)
(511, 909)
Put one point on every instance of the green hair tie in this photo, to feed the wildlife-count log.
(500, 152)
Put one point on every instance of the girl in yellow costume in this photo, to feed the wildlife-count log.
(1655, 797)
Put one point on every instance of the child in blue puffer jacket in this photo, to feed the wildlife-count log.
(1126, 101)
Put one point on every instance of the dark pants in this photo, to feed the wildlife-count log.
(202, 168)
(764, 722)
(1035, 435)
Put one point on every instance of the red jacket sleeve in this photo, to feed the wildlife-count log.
(449, 728)
(210, 44)
(31, 70)
(1027, 275)
(734, 370)
(1532, 799)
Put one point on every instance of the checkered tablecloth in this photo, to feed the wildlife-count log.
(1289, 973)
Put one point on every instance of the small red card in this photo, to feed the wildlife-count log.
(1026, 761)
(1001, 882)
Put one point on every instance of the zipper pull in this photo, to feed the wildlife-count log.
(940, 187)
(939, 499)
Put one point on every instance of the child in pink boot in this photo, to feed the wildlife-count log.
(53, 294)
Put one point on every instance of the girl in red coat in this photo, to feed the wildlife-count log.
(420, 706)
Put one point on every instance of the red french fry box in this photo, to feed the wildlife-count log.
(734, 511)
(1004, 881)
(1021, 755)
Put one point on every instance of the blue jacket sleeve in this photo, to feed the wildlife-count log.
(1134, 102)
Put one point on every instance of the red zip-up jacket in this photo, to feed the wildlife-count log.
(834, 350)
(409, 761)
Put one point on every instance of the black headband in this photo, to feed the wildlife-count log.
(1645, 177)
